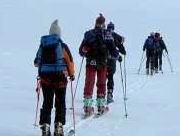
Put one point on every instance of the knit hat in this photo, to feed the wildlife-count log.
(100, 21)
(152, 34)
(110, 26)
(157, 34)
(55, 29)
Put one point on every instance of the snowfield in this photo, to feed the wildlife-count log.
(153, 103)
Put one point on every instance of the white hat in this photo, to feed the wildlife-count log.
(55, 29)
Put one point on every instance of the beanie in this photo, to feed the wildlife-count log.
(55, 29)
(100, 21)
(110, 26)
(157, 34)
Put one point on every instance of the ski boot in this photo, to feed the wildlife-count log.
(110, 96)
(101, 107)
(160, 69)
(156, 70)
(58, 129)
(46, 130)
(147, 71)
(88, 108)
(151, 72)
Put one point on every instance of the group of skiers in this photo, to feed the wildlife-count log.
(101, 47)
(154, 46)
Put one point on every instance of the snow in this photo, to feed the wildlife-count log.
(153, 102)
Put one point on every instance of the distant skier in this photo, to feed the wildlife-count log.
(149, 46)
(55, 64)
(111, 64)
(96, 45)
(160, 46)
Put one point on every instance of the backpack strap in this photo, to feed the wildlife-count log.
(49, 40)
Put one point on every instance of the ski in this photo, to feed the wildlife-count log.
(99, 114)
(86, 116)
(71, 132)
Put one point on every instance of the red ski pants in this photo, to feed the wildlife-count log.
(91, 73)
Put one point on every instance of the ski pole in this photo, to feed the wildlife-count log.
(141, 62)
(73, 110)
(125, 77)
(38, 89)
(123, 88)
(78, 78)
(169, 61)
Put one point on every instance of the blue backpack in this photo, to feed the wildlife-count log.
(50, 55)
(150, 44)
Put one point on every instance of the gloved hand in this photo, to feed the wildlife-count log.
(123, 39)
(84, 51)
(36, 65)
(72, 77)
(36, 62)
(120, 59)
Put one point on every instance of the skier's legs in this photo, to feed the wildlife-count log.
(101, 89)
(156, 57)
(160, 60)
(60, 113)
(101, 82)
(147, 61)
(45, 114)
(89, 81)
(60, 105)
(152, 61)
(88, 90)
(111, 69)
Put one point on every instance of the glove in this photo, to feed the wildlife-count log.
(120, 59)
(36, 62)
(72, 77)
(84, 51)
(123, 39)
(36, 65)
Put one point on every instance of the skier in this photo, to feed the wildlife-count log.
(111, 64)
(160, 46)
(149, 46)
(55, 64)
(95, 47)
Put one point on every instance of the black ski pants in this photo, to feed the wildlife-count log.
(158, 59)
(60, 105)
(111, 69)
(150, 59)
